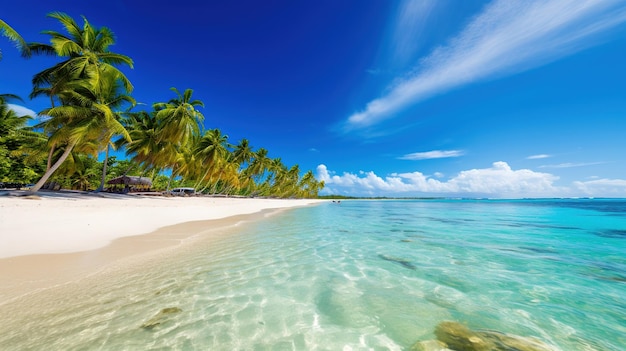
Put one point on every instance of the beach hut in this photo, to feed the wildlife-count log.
(127, 184)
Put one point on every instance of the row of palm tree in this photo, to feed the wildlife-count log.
(91, 112)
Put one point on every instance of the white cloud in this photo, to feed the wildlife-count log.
(432, 154)
(603, 187)
(537, 157)
(507, 37)
(22, 111)
(497, 181)
(410, 20)
(570, 165)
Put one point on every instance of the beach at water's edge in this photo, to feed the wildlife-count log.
(60, 237)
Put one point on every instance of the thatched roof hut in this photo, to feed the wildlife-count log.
(131, 180)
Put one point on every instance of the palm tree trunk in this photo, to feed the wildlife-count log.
(104, 170)
(208, 183)
(200, 180)
(219, 177)
(54, 167)
(49, 164)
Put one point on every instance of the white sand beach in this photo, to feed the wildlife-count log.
(53, 238)
(73, 222)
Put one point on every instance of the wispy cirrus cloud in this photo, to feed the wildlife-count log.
(572, 164)
(507, 37)
(410, 19)
(538, 157)
(432, 154)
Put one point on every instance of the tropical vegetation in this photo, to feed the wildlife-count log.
(92, 112)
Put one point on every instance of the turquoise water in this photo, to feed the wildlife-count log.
(364, 275)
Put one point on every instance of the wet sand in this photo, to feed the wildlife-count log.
(60, 239)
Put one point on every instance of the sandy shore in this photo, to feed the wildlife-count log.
(58, 237)
(73, 222)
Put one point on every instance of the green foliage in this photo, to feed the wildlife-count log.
(88, 93)
(13, 134)
(159, 183)
(12, 35)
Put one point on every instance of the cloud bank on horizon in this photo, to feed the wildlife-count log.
(507, 37)
(497, 181)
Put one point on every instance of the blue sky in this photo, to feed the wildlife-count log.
(396, 98)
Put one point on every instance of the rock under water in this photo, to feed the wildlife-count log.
(455, 336)
(160, 317)
(401, 261)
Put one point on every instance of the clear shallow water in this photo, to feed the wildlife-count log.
(362, 275)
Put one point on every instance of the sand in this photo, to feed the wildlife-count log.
(57, 237)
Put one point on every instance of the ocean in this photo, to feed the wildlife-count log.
(360, 275)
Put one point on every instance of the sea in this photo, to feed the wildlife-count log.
(359, 275)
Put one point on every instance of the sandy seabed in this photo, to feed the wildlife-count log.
(56, 238)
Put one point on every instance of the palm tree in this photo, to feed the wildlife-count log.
(309, 186)
(9, 120)
(81, 120)
(260, 163)
(114, 96)
(144, 145)
(243, 154)
(87, 56)
(179, 123)
(211, 148)
(11, 137)
(82, 84)
(11, 34)
(179, 117)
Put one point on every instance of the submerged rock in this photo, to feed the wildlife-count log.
(401, 261)
(460, 338)
(429, 345)
(160, 317)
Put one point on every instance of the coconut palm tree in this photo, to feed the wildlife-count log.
(260, 163)
(179, 117)
(144, 134)
(179, 123)
(242, 153)
(309, 186)
(80, 84)
(11, 34)
(9, 120)
(81, 120)
(211, 149)
(11, 129)
(114, 96)
(87, 56)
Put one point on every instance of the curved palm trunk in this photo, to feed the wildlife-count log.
(200, 180)
(49, 164)
(104, 170)
(219, 177)
(208, 183)
(54, 167)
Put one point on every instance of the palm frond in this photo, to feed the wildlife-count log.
(11, 34)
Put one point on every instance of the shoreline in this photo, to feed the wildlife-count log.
(37, 271)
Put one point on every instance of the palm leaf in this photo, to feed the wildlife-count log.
(11, 34)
